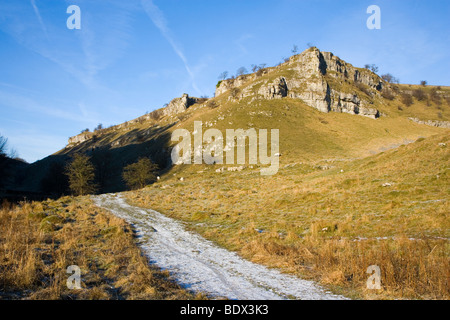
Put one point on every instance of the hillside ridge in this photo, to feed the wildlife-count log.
(311, 76)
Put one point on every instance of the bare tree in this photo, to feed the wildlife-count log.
(3, 146)
(241, 71)
(223, 75)
(371, 67)
(3, 160)
(294, 49)
(389, 78)
(99, 127)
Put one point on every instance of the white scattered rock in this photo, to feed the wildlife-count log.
(442, 145)
(236, 168)
(387, 184)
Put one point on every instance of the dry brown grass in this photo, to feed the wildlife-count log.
(39, 240)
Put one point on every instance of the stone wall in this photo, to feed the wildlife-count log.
(433, 123)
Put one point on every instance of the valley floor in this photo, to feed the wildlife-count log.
(203, 267)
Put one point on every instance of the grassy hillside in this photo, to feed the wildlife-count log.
(329, 225)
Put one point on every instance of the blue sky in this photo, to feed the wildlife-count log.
(130, 57)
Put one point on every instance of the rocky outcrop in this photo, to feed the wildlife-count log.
(229, 84)
(179, 105)
(82, 137)
(320, 79)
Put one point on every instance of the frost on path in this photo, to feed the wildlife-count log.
(201, 266)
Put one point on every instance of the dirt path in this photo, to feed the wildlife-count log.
(201, 266)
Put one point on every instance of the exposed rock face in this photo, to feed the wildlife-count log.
(277, 89)
(320, 79)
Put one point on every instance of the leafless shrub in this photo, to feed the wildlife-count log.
(406, 99)
(419, 94)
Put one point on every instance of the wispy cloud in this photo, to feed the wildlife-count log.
(39, 17)
(102, 40)
(20, 102)
(159, 20)
(241, 42)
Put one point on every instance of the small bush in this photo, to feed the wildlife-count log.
(235, 93)
(212, 104)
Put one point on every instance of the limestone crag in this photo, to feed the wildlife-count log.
(179, 105)
(320, 79)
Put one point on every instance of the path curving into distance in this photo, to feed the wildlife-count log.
(201, 266)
